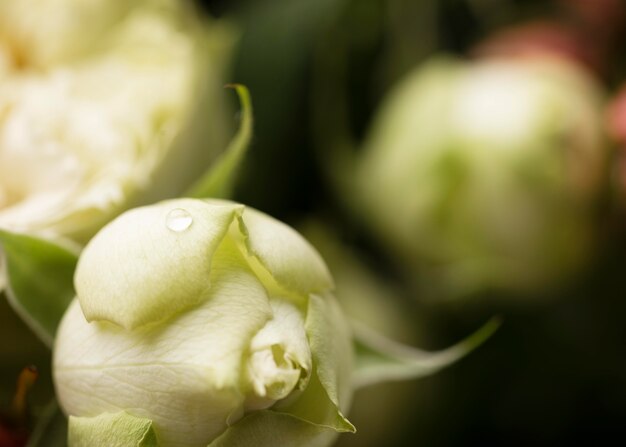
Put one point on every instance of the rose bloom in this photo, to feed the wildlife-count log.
(203, 323)
(103, 104)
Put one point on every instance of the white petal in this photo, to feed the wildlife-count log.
(280, 357)
(143, 267)
(288, 257)
(184, 375)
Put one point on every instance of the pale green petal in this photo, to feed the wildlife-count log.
(111, 430)
(39, 278)
(379, 359)
(268, 428)
(183, 374)
(151, 262)
(288, 257)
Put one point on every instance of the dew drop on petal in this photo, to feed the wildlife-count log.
(178, 220)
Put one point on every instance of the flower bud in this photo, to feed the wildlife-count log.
(484, 174)
(98, 99)
(206, 318)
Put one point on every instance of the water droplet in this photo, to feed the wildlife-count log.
(178, 220)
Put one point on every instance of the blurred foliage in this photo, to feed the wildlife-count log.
(555, 374)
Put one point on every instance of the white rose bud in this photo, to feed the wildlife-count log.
(101, 103)
(213, 321)
(485, 174)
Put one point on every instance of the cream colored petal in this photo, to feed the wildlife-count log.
(151, 262)
(45, 32)
(280, 357)
(184, 375)
(292, 262)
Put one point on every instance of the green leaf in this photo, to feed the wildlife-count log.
(40, 280)
(379, 359)
(267, 427)
(274, 60)
(219, 180)
(111, 430)
(51, 428)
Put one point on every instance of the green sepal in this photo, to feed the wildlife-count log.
(219, 180)
(379, 359)
(39, 276)
(316, 408)
(329, 339)
(267, 427)
(111, 430)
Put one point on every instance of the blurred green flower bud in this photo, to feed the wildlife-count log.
(203, 323)
(104, 104)
(485, 174)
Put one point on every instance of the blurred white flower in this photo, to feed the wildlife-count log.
(103, 104)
